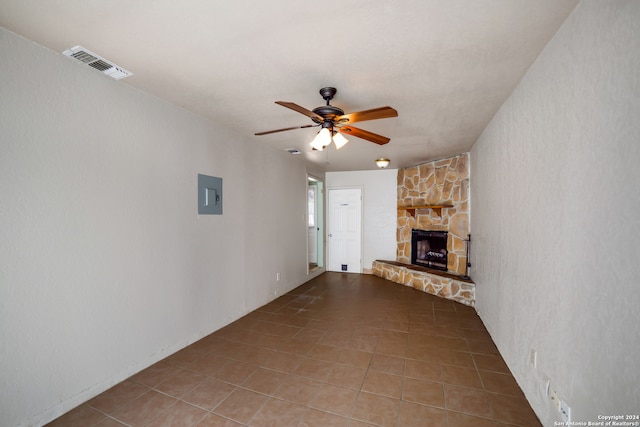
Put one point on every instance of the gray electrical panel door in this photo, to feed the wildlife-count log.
(209, 195)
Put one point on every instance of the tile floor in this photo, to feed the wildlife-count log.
(341, 350)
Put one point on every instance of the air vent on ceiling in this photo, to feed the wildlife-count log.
(95, 61)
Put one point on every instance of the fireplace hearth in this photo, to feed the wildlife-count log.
(429, 249)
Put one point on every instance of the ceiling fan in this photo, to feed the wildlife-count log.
(334, 122)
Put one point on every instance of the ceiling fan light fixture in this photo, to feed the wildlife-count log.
(382, 162)
(331, 118)
(322, 139)
(339, 140)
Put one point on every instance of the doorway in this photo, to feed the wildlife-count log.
(344, 243)
(315, 224)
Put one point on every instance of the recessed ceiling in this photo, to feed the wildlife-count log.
(446, 66)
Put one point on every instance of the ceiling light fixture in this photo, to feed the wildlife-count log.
(339, 140)
(382, 162)
(324, 138)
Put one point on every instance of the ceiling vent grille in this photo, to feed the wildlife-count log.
(95, 61)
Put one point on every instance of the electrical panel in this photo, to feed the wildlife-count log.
(209, 195)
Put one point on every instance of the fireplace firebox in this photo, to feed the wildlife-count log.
(429, 249)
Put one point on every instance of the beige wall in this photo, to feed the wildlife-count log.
(105, 266)
(556, 235)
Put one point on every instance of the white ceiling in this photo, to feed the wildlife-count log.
(446, 66)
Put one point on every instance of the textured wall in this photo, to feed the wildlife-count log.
(556, 197)
(105, 266)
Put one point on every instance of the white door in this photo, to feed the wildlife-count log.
(345, 230)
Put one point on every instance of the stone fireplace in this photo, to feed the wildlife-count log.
(440, 183)
(429, 249)
(434, 198)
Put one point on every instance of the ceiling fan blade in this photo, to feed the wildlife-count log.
(373, 114)
(282, 130)
(364, 134)
(301, 110)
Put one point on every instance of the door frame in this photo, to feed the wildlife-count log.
(320, 221)
(328, 219)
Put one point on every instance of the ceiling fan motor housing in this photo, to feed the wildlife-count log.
(329, 112)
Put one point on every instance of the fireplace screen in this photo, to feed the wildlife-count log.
(429, 249)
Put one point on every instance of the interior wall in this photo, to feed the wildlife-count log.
(105, 265)
(378, 207)
(556, 236)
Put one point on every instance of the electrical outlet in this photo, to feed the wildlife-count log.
(565, 411)
(555, 400)
(561, 406)
(533, 358)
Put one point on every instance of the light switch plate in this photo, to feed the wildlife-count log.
(209, 195)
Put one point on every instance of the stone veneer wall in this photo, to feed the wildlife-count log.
(462, 291)
(441, 182)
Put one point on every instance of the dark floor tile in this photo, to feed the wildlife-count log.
(388, 364)
(264, 381)
(496, 382)
(383, 384)
(215, 420)
(180, 383)
(464, 377)
(482, 346)
(143, 409)
(491, 362)
(346, 376)
(456, 419)
(414, 415)
(117, 396)
(82, 416)
(513, 410)
(423, 370)
(423, 392)
(155, 374)
(379, 410)
(297, 389)
(454, 357)
(468, 401)
(179, 415)
(314, 369)
(316, 418)
(334, 399)
(241, 405)
(341, 350)
(110, 422)
(279, 413)
(209, 394)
